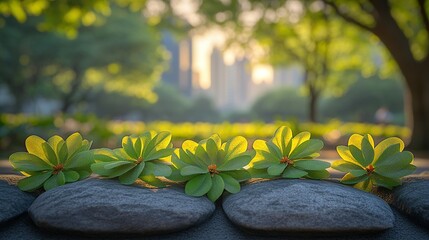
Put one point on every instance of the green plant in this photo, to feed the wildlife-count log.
(210, 167)
(366, 165)
(52, 163)
(289, 157)
(141, 157)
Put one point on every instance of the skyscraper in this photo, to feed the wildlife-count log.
(179, 73)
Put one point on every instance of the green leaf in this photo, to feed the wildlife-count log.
(152, 180)
(138, 146)
(299, 139)
(397, 173)
(355, 140)
(236, 163)
(357, 154)
(202, 156)
(49, 153)
(239, 175)
(127, 145)
(161, 141)
(199, 185)
(358, 172)
(367, 152)
(83, 174)
(27, 162)
(263, 164)
(217, 188)
(74, 142)
(157, 169)
(386, 182)
(382, 147)
(277, 169)
(161, 153)
(396, 161)
(364, 185)
(34, 146)
(306, 148)
(177, 177)
(34, 182)
(180, 159)
(99, 168)
(104, 155)
(120, 154)
(54, 181)
(80, 160)
(189, 145)
(62, 152)
(268, 156)
(291, 172)
(116, 164)
(71, 176)
(350, 179)
(54, 141)
(311, 165)
(235, 147)
(212, 150)
(344, 166)
(231, 184)
(346, 155)
(281, 139)
(322, 174)
(191, 170)
(259, 173)
(387, 152)
(131, 176)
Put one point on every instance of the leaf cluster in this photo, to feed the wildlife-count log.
(368, 165)
(288, 156)
(52, 163)
(142, 157)
(210, 166)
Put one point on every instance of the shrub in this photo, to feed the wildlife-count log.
(210, 167)
(52, 163)
(141, 157)
(288, 157)
(366, 165)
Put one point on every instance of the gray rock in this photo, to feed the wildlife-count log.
(13, 202)
(307, 206)
(96, 206)
(413, 199)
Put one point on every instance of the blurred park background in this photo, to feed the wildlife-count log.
(194, 68)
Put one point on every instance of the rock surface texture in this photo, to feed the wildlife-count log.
(413, 199)
(13, 202)
(307, 206)
(96, 206)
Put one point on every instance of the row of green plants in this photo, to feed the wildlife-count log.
(210, 166)
(15, 128)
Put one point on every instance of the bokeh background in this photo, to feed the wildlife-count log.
(233, 67)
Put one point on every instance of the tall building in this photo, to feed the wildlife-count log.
(230, 83)
(179, 73)
(291, 76)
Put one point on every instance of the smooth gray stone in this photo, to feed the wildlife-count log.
(307, 206)
(96, 206)
(413, 199)
(13, 202)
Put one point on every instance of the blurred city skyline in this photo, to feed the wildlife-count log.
(198, 65)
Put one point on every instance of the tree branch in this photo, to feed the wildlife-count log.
(347, 17)
(424, 14)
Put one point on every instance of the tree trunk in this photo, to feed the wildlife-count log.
(313, 106)
(419, 103)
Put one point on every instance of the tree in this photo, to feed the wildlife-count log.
(289, 32)
(316, 42)
(280, 103)
(103, 56)
(403, 28)
(364, 98)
